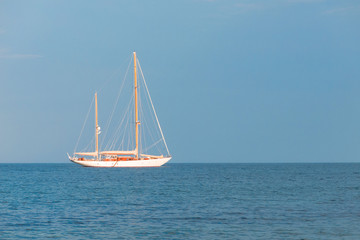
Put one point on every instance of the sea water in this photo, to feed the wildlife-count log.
(180, 201)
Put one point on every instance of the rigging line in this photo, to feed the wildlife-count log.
(140, 116)
(143, 143)
(82, 129)
(149, 106)
(117, 159)
(122, 144)
(114, 143)
(129, 140)
(151, 146)
(167, 149)
(132, 131)
(89, 146)
(147, 103)
(126, 131)
(111, 76)
(114, 139)
(146, 132)
(146, 124)
(151, 135)
(115, 105)
(117, 134)
(152, 120)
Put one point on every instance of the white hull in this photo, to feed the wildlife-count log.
(133, 163)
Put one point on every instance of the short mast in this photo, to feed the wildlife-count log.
(96, 129)
(136, 111)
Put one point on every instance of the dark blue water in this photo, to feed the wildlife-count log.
(180, 201)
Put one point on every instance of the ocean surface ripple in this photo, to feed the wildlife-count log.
(180, 201)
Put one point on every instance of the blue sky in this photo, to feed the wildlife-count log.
(232, 81)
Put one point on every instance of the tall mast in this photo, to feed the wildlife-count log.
(96, 129)
(136, 111)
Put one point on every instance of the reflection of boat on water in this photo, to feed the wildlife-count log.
(123, 158)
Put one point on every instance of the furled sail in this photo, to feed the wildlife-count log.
(151, 156)
(118, 153)
(86, 153)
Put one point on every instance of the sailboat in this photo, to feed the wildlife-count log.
(122, 158)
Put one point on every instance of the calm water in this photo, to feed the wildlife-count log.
(180, 201)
